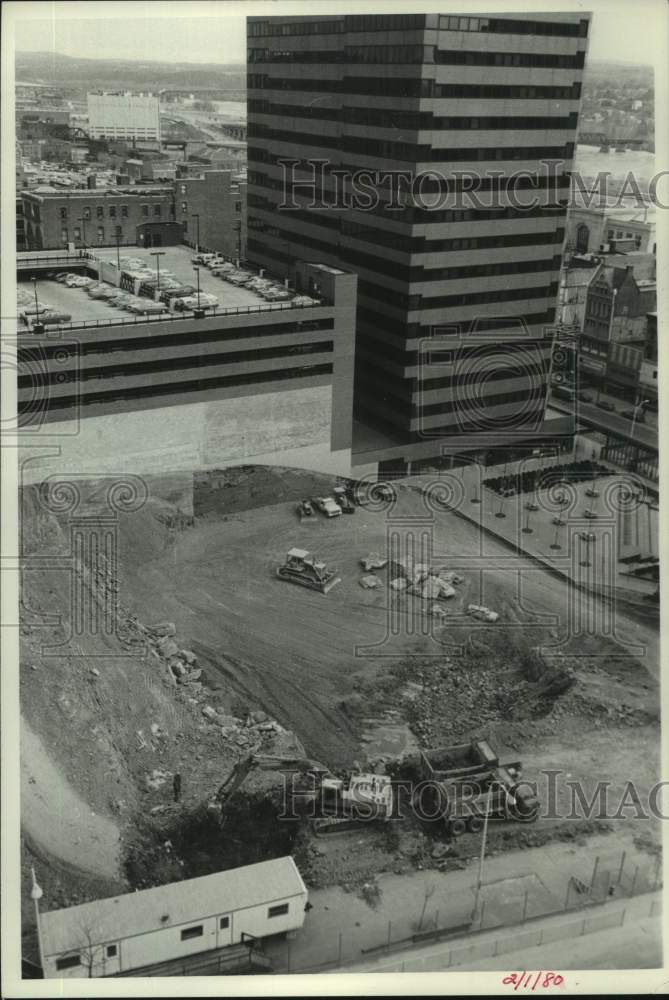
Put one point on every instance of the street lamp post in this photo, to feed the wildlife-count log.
(199, 313)
(196, 216)
(118, 248)
(158, 254)
(37, 326)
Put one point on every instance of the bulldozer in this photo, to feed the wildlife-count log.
(302, 568)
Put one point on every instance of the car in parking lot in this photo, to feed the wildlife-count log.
(327, 506)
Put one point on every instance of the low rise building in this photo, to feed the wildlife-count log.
(212, 208)
(590, 229)
(92, 217)
(136, 931)
(123, 116)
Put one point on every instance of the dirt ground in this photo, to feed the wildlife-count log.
(327, 668)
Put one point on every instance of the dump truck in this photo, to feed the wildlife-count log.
(302, 568)
(463, 781)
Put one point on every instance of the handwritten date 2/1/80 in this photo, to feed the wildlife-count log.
(533, 980)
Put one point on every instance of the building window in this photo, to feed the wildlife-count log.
(63, 235)
(77, 233)
(124, 211)
(111, 951)
(145, 210)
(156, 209)
(63, 213)
(224, 923)
(192, 932)
(87, 213)
(112, 211)
(101, 233)
(100, 212)
(69, 962)
(183, 188)
(238, 207)
(278, 911)
(184, 206)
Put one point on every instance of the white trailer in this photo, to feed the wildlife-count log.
(139, 929)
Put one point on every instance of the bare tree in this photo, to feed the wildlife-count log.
(91, 954)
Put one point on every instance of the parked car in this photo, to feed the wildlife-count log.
(202, 258)
(343, 500)
(604, 404)
(327, 506)
(585, 397)
(638, 416)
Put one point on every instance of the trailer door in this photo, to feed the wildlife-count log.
(224, 930)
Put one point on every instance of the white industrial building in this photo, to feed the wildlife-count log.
(139, 929)
(123, 116)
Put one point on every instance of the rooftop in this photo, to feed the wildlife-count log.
(174, 260)
(167, 905)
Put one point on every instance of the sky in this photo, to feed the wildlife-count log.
(211, 32)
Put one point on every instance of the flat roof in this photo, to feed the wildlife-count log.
(177, 260)
(133, 913)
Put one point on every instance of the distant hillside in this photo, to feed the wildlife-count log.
(66, 71)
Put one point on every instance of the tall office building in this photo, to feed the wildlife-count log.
(455, 290)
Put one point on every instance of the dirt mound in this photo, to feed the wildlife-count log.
(244, 487)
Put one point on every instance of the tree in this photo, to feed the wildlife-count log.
(91, 954)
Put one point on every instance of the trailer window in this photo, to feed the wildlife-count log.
(111, 951)
(69, 962)
(225, 922)
(192, 932)
(278, 911)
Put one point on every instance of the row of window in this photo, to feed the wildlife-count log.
(374, 323)
(415, 302)
(130, 368)
(191, 339)
(407, 151)
(187, 934)
(168, 389)
(509, 26)
(415, 55)
(100, 234)
(416, 22)
(405, 87)
(416, 121)
(87, 212)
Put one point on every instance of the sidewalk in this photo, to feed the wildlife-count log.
(625, 933)
(341, 926)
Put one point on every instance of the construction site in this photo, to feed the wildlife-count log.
(246, 663)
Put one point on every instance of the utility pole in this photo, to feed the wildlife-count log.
(484, 837)
(196, 216)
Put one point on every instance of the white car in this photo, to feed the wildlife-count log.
(327, 506)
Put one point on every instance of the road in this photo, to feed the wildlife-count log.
(611, 423)
(57, 819)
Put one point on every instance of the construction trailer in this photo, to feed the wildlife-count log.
(467, 781)
(110, 937)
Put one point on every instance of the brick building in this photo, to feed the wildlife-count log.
(93, 217)
(220, 203)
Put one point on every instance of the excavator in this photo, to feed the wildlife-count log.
(332, 804)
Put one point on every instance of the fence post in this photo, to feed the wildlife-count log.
(594, 871)
(658, 869)
(622, 866)
(633, 886)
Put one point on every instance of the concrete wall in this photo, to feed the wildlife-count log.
(290, 428)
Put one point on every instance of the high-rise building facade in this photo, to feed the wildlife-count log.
(431, 154)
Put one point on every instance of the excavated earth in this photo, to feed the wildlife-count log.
(213, 657)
